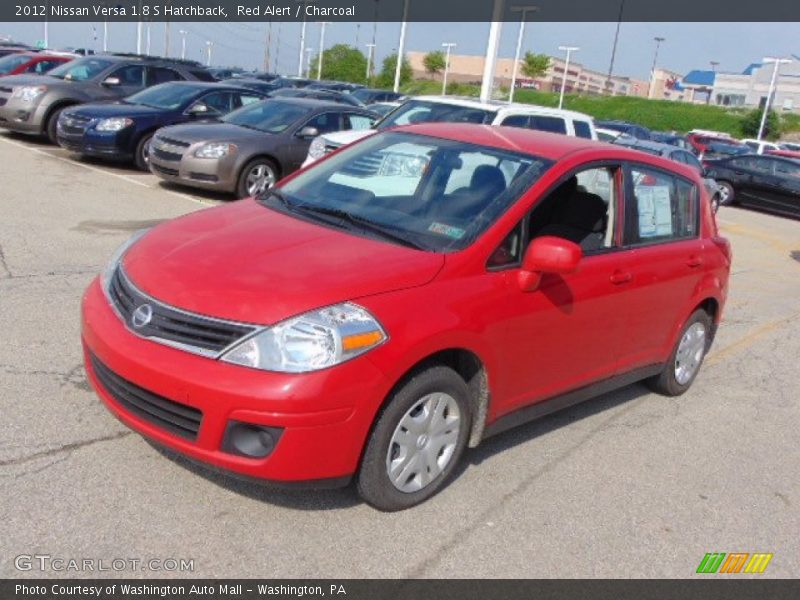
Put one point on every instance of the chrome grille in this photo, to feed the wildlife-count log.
(171, 326)
(168, 148)
(73, 124)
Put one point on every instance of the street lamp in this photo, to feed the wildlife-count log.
(183, 33)
(609, 85)
(209, 47)
(569, 50)
(401, 47)
(524, 10)
(308, 61)
(492, 44)
(302, 37)
(714, 64)
(651, 86)
(370, 51)
(321, 47)
(447, 45)
(772, 89)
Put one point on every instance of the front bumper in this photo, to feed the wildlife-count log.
(22, 117)
(110, 145)
(218, 175)
(325, 416)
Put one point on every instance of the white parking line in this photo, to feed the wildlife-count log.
(105, 172)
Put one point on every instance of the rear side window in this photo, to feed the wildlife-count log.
(663, 208)
(202, 75)
(583, 129)
(516, 121)
(162, 75)
(551, 124)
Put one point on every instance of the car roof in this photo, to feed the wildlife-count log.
(504, 106)
(311, 103)
(630, 142)
(552, 146)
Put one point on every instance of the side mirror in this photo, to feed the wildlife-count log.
(308, 133)
(548, 254)
(111, 81)
(197, 109)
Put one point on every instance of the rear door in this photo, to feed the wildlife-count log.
(661, 262)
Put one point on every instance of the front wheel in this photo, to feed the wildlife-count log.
(684, 363)
(256, 178)
(726, 193)
(142, 155)
(417, 440)
(51, 128)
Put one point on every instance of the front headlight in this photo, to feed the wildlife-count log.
(216, 150)
(29, 93)
(317, 148)
(112, 265)
(315, 340)
(114, 124)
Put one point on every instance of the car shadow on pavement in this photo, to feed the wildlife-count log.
(795, 254)
(196, 192)
(529, 431)
(287, 497)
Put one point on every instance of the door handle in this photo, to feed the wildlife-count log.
(694, 261)
(619, 277)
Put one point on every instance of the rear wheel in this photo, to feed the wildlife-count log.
(52, 125)
(726, 193)
(256, 178)
(142, 156)
(687, 356)
(417, 440)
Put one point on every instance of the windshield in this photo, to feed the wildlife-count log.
(431, 193)
(167, 96)
(12, 61)
(81, 70)
(424, 111)
(270, 116)
(363, 95)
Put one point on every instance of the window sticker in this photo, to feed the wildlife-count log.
(655, 211)
(448, 230)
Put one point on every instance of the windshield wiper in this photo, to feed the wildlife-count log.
(365, 224)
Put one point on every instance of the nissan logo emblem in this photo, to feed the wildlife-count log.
(142, 315)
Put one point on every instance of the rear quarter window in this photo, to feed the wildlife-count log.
(583, 129)
(550, 124)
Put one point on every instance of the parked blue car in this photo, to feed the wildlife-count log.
(122, 131)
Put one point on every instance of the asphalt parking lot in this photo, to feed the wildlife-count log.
(628, 485)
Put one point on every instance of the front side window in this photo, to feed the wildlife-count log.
(433, 193)
(551, 124)
(516, 121)
(11, 62)
(219, 102)
(325, 122)
(82, 69)
(663, 207)
(132, 75)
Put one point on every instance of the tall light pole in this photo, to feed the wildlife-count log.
(46, 32)
(105, 35)
(714, 65)
(374, 35)
(492, 44)
(267, 45)
(401, 47)
(308, 61)
(183, 33)
(209, 47)
(651, 86)
(449, 46)
(569, 50)
(609, 87)
(772, 85)
(302, 37)
(370, 51)
(147, 44)
(139, 28)
(524, 10)
(321, 48)
(166, 39)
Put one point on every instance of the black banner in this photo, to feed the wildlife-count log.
(711, 588)
(396, 10)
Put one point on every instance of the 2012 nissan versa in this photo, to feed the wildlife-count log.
(410, 295)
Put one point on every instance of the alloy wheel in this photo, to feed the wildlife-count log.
(259, 179)
(690, 353)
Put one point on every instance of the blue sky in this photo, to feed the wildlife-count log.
(687, 46)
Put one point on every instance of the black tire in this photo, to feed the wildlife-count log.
(52, 124)
(142, 149)
(242, 184)
(373, 482)
(666, 382)
(728, 196)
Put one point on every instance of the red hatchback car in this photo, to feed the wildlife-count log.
(410, 295)
(31, 62)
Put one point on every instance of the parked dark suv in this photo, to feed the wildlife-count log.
(32, 103)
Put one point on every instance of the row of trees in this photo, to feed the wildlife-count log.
(533, 65)
(345, 63)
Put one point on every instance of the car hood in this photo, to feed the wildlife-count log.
(210, 130)
(342, 138)
(105, 110)
(15, 80)
(249, 263)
